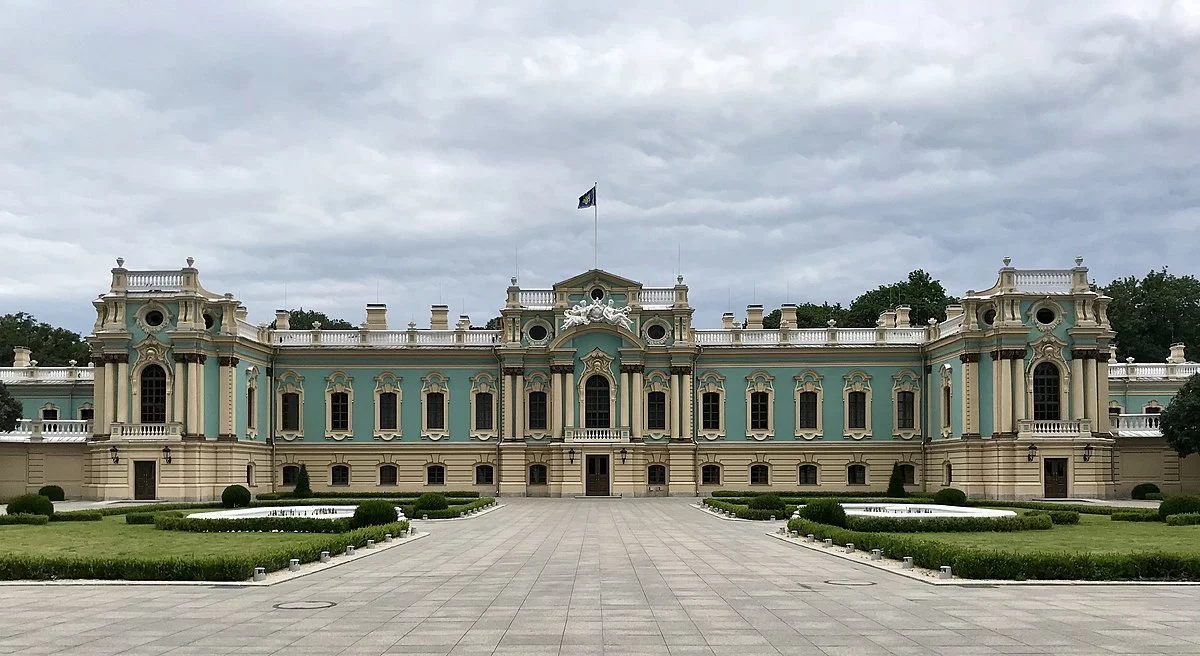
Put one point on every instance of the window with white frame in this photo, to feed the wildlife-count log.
(808, 474)
(710, 474)
(808, 399)
(906, 398)
(856, 403)
(339, 475)
(760, 401)
(537, 405)
(947, 400)
(856, 474)
(388, 474)
(484, 474)
(483, 406)
(435, 475)
(388, 397)
(435, 406)
(760, 474)
(657, 390)
(339, 396)
(711, 388)
(289, 387)
(49, 412)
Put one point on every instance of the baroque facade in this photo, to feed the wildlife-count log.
(596, 386)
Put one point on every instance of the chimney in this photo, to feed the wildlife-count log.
(282, 318)
(377, 316)
(903, 318)
(953, 311)
(20, 356)
(1177, 356)
(754, 317)
(887, 319)
(727, 321)
(787, 312)
(464, 322)
(241, 313)
(440, 317)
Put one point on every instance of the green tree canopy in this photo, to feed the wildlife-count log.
(809, 315)
(302, 319)
(50, 346)
(10, 410)
(922, 293)
(493, 324)
(1180, 420)
(1152, 313)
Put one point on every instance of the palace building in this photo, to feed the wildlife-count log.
(597, 386)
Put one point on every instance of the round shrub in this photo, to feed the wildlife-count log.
(950, 496)
(36, 504)
(430, 501)
(53, 493)
(1142, 489)
(1175, 504)
(1064, 517)
(235, 496)
(374, 513)
(824, 511)
(767, 502)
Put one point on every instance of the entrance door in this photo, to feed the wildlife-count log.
(597, 476)
(143, 480)
(1055, 478)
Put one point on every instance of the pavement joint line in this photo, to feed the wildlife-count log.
(929, 577)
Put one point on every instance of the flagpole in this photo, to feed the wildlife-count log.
(595, 227)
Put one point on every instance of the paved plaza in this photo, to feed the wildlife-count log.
(612, 576)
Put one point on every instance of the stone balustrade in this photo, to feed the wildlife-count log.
(49, 430)
(172, 431)
(596, 435)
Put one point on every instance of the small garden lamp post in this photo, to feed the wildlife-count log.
(167, 454)
(1032, 454)
(571, 455)
(624, 453)
(114, 454)
(1087, 452)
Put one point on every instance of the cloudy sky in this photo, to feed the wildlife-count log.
(405, 152)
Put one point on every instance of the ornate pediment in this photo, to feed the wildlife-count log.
(600, 277)
(597, 362)
(152, 350)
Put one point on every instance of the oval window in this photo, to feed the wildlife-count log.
(154, 318)
(597, 294)
(1045, 316)
(656, 332)
(989, 316)
(537, 332)
(208, 321)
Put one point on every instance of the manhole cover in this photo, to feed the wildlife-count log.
(849, 583)
(305, 605)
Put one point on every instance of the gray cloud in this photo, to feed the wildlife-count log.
(404, 151)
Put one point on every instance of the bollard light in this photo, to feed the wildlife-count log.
(324, 556)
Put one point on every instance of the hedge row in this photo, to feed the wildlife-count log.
(252, 524)
(977, 563)
(449, 513)
(24, 518)
(459, 494)
(745, 512)
(148, 518)
(351, 501)
(1183, 519)
(78, 516)
(232, 567)
(814, 494)
(950, 524)
(1135, 516)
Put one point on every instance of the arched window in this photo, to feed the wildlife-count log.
(946, 407)
(387, 475)
(656, 411)
(656, 475)
(857, 410)
(290, 405)
(1046, 403)
(250, 423)
(435, 474)
(154, 395)
(435, 411)
(290, 474)
(759, 410)
(760, 475)
(339, 411)
(483, 411)
(537, 411)
(856, 475)
(947, 475)
(909, 473)
(484, 474)
(537, 474)
(595, 404)
(806, 408)
(710, 475)
(710, 411)
(250, 475)
(339, 475)
(808, 474)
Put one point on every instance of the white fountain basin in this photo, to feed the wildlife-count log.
(316, 512)
(919, 511)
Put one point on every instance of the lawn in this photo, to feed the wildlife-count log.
(113, 537)
(1093, 534)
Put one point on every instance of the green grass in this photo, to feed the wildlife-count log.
(113, 537)
(1093, 534)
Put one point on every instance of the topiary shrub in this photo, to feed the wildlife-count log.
(374, 513)
(53, 493)
(950, 496)
(36, 504)
(1142, 489)
(1135, 516)
(1064, 517)
(767, 502)
(1175, 504)
(1183, 519)
(235, 496)
(303, 486)
(824, 511)
(430, 501)
(896, 483)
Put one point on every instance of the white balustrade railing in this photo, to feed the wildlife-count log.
(808, 336)
(481, 337)
(435, 337)
(758, 337)
(168, 431)
(10, 375)
(164, 281)
(339, 337)
(905, 336)
(1136, 422)
(293, 337)
(596, 434)
(951, 326)
(1053, 428)
(856, 335)
(713, 337)
(541, 298)
(52, 429)
(1043, 281)
(657, 296)
(387, 338)
(247, 330)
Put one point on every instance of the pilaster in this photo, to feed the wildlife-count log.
(519, 406)
(555, 404)
(1076, 386)
(970, 387)
(122, 360)
(227, 378)
(674, 410)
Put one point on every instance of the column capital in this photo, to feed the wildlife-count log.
(632, 368)
(228, 361)
(562, 368)
(1012, 354)
(966, 358)
(118, 358)
(514, 371)
(1086, 354)
(681, 371)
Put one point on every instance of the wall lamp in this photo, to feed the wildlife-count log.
(1032, 454)
(114, 454)
(167, 454)
(1087, 452)
(571, 455)
(624, 453)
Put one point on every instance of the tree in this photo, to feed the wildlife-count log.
(302, 319)
(923, 294)
(896, 483)
(493, 324)
(1150, 314)
(809, 315)
(303, 488)
(50, 346)
(1180, 420)
(10, 410)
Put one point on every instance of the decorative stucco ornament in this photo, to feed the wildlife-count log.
(584, 313)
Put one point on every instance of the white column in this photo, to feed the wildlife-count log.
(123, 391)
(1020, 407)
(180, 392)
(1090, 393)
(674, 409)
(200, 427)
(506, 415)
(686, 408)
(569, 403)
(1076, 388)
(225, 399)
(519, 407)
(624, 400)
(556, 405)
(1102, 392)
(1005, 415)
(639, 399)
(100, 394)
(997, 365)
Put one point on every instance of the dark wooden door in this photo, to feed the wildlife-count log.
(144, 480)
(597, 476)
(1055, 478)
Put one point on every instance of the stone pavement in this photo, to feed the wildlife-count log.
(619, 576)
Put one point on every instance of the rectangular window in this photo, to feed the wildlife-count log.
(87, 414)
(759, 408)
(856, 475)
(483, 411)
(759, 475)
(387, 411)
(910, 474)
(656, 411)
(290, 408)
(290, 473)
(710, 475)
(657, 475)
(339, 411)
(808, 474)
(435, 411)
(250, 408)
(387, 475)
(49, 414)
(807, 411)
(339, 475)
(435, 475)
(710, 411)
(858, 410)
(905, 410)
(945, 407)
(537, 411)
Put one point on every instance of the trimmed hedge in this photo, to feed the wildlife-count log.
(1142, 489)
(374, 513)
(450, 513)
(1154, 496)
(452, 494)
(950, 496)
(30, 504)
(232, 567)
(252, 524)
(811, 494)
(236, 496)
(743, 511)
(77, 516)
(1183, 519)
(766, 502)
(1178, 504)
(825, 511)
(24, 518)
(148, 518)
(53, 493)
(431, 501)
(977, 563)
(1060, 517)
(950, 524)
(1136, 516)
